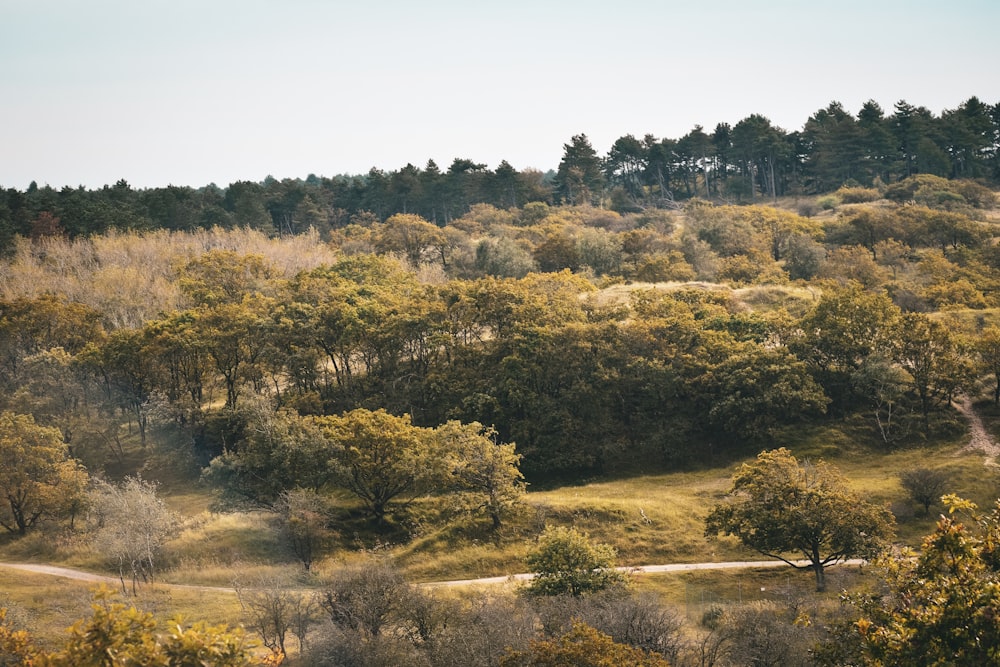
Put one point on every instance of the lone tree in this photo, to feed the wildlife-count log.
(134, 525)
(382, 459)
(483, 470)
(925, 486)
(778, 506)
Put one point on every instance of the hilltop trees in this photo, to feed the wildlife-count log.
(579, 176)
(777, 506)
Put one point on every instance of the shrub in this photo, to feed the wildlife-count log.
(567, 562)
(828, 202)
(857, 195)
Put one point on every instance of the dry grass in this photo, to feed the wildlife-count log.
(50, 605)
(621, 293)
(649, 519)
(796, 299)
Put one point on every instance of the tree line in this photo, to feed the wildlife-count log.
(738, 163)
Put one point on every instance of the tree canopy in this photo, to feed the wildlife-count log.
(778, 506)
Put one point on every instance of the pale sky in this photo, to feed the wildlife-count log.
(190, 92)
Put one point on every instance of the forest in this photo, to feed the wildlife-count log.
(746, 162)
(400, 359)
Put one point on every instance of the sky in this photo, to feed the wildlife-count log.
(192, 92)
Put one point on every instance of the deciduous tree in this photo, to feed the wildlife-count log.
(778, 506)
(133, 526)
(380, 458)
(924, 485)
(483, 469)
(37, 479)
(943, 605)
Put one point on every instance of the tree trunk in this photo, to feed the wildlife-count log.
(818, 569)
(820, 578)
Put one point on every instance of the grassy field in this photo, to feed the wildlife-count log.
(649, 519)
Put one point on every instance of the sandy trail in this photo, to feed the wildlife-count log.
(80, 575)
(979, 439)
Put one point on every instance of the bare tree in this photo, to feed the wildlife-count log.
(273, 609)
(925, 486)
(365, 598)
(133, 526)
(305, 519)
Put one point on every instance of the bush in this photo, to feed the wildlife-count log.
(566, 562)
(857, 195)
(828, 202)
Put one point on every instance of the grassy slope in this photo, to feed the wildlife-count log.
(650, 519)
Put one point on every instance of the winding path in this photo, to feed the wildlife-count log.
(81, 575)
(979, 438)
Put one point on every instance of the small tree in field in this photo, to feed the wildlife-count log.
(272, 609)
(567, 562)
(924, 486)
(134, 523)
(777, 506)
(305, 516)
(484, 471)
(382, 459)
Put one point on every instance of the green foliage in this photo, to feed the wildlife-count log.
(943, 605)
(582, 646)
(278, 451)
(37, 479)
(759, 388)
(224, 276)
(484, 470)
(828, 202)
(777, 506)
(565, 561)
(120, 635)
(857, 195)
(936, 192)
(846, 327)
(380, 458)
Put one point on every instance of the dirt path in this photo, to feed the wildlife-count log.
(979, 439)
(80, 575)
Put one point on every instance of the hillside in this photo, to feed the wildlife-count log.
(441, 394)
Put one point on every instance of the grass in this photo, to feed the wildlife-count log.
(50, 605)
(649, 519)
